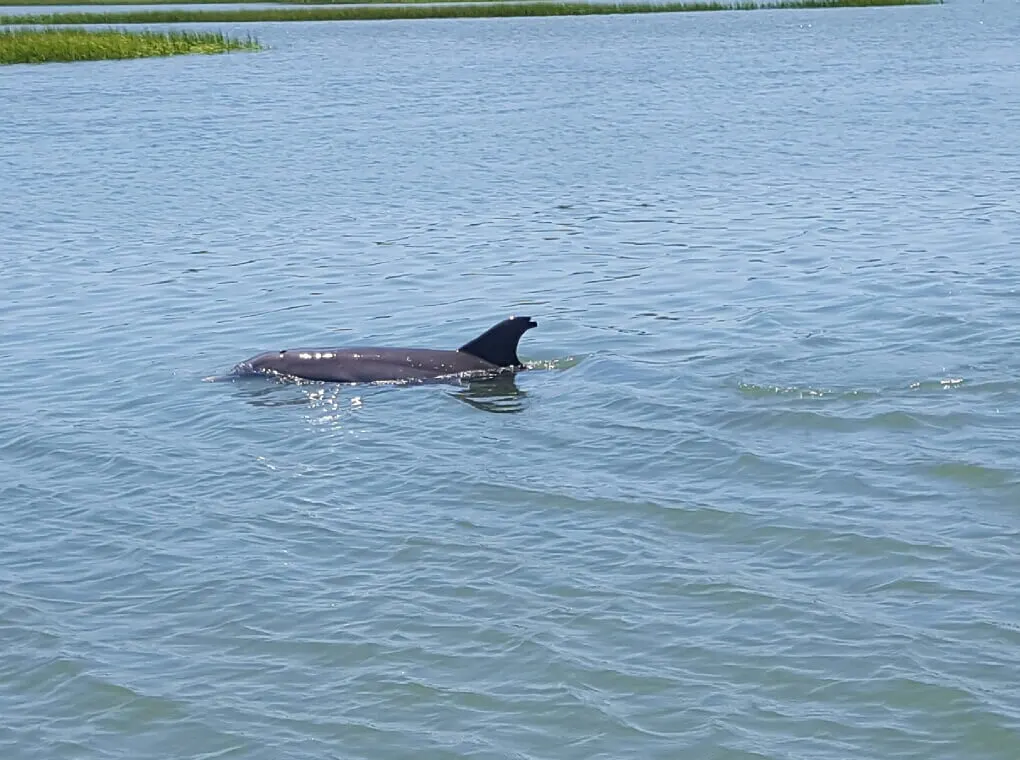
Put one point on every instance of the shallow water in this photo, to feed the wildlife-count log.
(759, 498)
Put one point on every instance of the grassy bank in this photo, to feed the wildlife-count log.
(118, 2)
(50, 45)
(43, 3)
(384, 12)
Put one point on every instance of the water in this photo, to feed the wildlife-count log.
(759, 499)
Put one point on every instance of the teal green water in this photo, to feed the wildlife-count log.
(760, 497)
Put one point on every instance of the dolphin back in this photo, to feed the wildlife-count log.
(493, 350)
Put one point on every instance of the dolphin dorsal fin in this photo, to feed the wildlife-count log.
(498, 344)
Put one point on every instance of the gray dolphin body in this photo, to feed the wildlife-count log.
(492, 352)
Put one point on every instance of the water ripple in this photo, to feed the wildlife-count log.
(754, 498)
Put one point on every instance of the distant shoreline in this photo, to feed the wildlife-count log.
(382, 12)
(57, 42)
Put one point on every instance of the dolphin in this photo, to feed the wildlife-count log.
(491, 353)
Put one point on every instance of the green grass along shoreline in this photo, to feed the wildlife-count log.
(283, 3)
(388, 12)
(75, 44)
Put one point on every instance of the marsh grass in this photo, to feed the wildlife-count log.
(48, 45)
(385, 12)
(283, 3)
(122, 2)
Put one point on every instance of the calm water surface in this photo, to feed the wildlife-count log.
(760, 497)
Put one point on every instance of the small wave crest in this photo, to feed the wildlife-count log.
(939, 385)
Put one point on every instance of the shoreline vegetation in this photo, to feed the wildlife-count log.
(710, 4)
(382, 12)
(281, 3)
(61, 37)
(72, 44)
